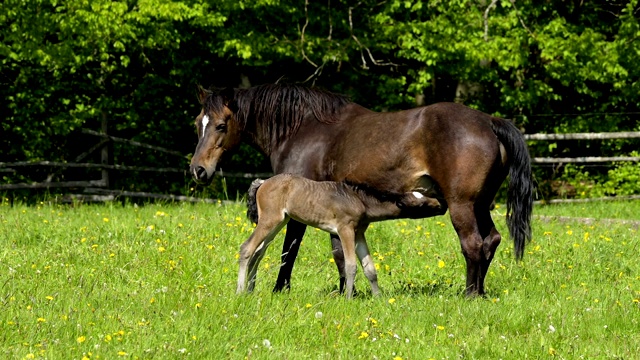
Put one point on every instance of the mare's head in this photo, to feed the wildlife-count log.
(218, 132)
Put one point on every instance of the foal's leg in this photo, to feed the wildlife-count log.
(347, 237)
(464, 222)
(253, 265)
(264, 233)
(362, 250)
(292, 240)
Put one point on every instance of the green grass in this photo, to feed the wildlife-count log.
(158, 281)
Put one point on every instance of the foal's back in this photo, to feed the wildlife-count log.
(326, 205)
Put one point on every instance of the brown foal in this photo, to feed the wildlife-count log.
(341, 209)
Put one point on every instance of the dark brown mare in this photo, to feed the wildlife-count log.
(467, 154)
(341, 209)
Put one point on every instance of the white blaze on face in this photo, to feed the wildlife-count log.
(417, 195)
(205, 121)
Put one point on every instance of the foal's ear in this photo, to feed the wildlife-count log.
(202, 93)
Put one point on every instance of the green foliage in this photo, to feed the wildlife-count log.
(64, 65)
(623, 179)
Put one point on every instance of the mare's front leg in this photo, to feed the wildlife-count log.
(369, 268)
(338, 258)
(292, 240)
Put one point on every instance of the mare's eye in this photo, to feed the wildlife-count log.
(221, 128)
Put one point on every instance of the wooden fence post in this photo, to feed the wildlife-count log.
(104, 159)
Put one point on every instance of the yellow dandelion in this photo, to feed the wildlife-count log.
(105, 219)
(308, 305)
(122, 353)
(363, 335)
(198, 305)
(30, 356)
(161, 248)
(440, 327)
(49, 297)
(441, 264)
(81, 339)
(392, 300)
(41, 320)
(107, 338)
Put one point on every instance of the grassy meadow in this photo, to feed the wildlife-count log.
(158, 281)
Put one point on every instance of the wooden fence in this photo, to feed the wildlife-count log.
(98, 189)
(583, 136)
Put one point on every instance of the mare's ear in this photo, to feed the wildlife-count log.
(202, 93)
(229, 98)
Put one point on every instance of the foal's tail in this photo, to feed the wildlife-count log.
(520, 191)
(252, 205)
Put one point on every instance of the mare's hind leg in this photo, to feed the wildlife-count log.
(490, 242)
(292, 240)
(362, 250)
(464, 222)
(264, 233)
(347, 238)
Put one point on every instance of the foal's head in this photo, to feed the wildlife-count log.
(217, 132)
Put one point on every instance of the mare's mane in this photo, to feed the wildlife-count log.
(280, 107)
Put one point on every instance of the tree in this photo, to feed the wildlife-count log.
(65, 65)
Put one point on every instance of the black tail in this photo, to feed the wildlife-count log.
(252, 205)
(520, 191)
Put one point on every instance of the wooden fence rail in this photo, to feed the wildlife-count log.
(583, 136)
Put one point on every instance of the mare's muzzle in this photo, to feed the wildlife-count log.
(200, 175)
